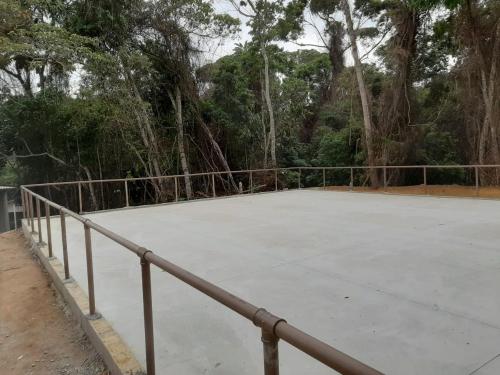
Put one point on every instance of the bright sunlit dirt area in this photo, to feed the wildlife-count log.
(37, 335)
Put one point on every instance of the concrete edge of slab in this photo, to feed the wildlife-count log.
(117, 356)
(317, 188)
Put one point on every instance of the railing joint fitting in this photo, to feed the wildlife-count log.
(267, 321)
(142, 252)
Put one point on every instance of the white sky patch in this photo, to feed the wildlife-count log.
(310, 38)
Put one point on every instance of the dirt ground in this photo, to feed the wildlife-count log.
(436, 190)
(37, 335)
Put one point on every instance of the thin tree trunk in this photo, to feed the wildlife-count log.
(488, 84)
(100, 177)
(367, 121)
(263, 121)
(91, 188)
(272, 125)
(219, 153)
(177, 104)
(147, 134)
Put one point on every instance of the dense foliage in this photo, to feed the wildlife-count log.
(93, 89)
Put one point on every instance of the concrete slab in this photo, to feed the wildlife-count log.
(408, 285)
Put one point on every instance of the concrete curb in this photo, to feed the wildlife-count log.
(116, 354)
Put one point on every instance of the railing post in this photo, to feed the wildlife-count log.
(276, 180)
(80, 203)
(271, 354)
(15, 215)
(147, 301)
(324, 178)
(22, 203)
(49, 232)
(351, 184)
(251, 182)
(25, 211)
(176, 183)
(64, 245)
(126, 193)
(40, 237)
(476, 169)
(300, 178)
(90, 272)
(25, 205)
(385, 179)
(425, 179)
(32, 214)
(213, 185)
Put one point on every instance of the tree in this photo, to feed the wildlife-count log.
(270, 21)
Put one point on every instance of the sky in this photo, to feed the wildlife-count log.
(310, 36)
(224, 6)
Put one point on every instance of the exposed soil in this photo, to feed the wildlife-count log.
(37, 334)
(436, 190)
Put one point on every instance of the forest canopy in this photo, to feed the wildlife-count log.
(110, 88)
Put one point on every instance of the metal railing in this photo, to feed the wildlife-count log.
(275, 180)
(273, 328)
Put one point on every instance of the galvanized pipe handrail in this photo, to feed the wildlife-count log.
(158, 177)
(260, 317)
(272, 326)
(362, 167)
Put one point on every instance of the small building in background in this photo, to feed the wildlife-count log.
(5, 208)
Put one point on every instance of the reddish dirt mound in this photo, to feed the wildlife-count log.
(436, 190)
(37, 335)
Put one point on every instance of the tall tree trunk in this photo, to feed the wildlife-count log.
(265, 143)
(91, 189)
(176, 100)
(148, 136)
(365, 104)
(488, 82)
(219, 153)
(336, 57)
(272, 125)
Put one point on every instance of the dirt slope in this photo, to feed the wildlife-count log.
(37, 335)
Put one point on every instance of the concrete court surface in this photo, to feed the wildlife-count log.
(408, 285)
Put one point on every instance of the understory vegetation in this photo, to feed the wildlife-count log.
(124, 88)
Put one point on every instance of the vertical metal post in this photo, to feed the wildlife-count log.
(49, 232)
(15, 215)
(90, 270)
(351, 184)
(476, 169)
(40, 237)
(26, 209)
(213, 185)
(385, 179)
(32, 214)
(176, 189)
(300, 178)
(80, 203)
(276, 180)
(22, 203)
(324, 178)
(271, 354)
(126, 193)
(147, 302)
(251, 182)
(64, 244)
(425, 179)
